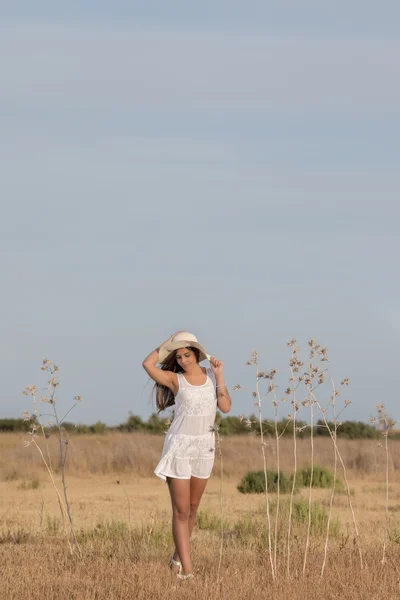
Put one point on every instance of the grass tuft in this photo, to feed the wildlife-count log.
(29, 484)
(319, 517)
(207, 521)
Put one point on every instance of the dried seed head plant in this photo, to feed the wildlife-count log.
(314, 378)
(306, 380)
(52, 427)
(384, 424)
(294, 383)
(258, 404)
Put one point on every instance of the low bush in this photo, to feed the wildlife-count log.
(322, 477)
(254, 482)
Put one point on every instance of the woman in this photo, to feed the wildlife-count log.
(189, 447)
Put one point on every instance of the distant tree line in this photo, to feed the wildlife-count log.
(230, 425)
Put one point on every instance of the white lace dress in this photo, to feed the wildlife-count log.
(189, 446)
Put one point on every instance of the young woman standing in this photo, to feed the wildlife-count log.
(189, 447)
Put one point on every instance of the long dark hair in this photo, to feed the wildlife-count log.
(164, 396)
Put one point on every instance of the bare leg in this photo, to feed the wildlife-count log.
(197, 487)
(179, 490)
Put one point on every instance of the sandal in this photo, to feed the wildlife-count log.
(187, 576)
(175, 563)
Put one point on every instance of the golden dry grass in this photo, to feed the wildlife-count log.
(124, 528)
(137, 454)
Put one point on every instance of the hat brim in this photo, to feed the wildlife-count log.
(166, 350)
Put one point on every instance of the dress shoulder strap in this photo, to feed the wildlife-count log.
(179, 376)
(211, 376)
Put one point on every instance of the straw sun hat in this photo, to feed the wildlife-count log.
(183, 339)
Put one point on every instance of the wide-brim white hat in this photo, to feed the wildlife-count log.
(183, 339)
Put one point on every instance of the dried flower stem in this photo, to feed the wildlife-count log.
(63, 456)
(60, 502)
(53, 383)
(279, 477)
(259, 405)
(384, 425)
(387, 500)
(294, 402)
(219, 447)
(47, 463)
(311, 483)
(334, 480)
(333, 438)
(35, 411)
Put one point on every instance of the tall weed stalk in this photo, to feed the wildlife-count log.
(63, 439)
(221, 496)
(312, 377)
(258, 403)
(294, 365)
(331, 432)
(335, 427)
(385, 423)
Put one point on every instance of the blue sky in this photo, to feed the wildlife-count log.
(226, 168)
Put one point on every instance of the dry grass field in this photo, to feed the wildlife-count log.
(121, 514)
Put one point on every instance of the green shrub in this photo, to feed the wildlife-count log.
(254, 482)
(156, 424)
(133, 423)
(319, 517)
(99, 427)
(322, 478)
(83, 429)
(351, 430)
(14, 425)
(230, 425)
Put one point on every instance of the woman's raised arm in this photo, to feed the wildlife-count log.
(167, 378)
(223, 397)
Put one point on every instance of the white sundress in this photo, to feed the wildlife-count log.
(189, 446)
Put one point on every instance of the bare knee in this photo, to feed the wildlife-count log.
(193, 508)
(181, 513)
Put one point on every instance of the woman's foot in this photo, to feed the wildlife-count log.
(185, 576)
(175, 566)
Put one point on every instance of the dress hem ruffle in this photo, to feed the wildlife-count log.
(182, 468)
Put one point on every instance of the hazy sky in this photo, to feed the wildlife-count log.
(226, 167)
